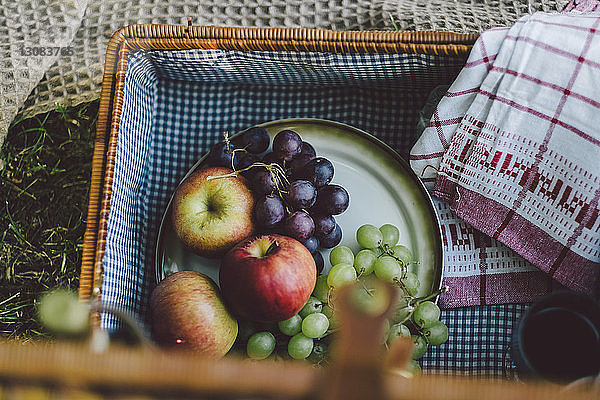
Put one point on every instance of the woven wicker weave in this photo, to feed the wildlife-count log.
(71, 371)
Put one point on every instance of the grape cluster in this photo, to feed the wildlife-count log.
(306, 335)
(293, 189)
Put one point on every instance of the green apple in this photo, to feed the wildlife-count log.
(212, 213)
(188, 313)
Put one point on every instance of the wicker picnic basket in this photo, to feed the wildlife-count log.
(140, 371)
(175, 37)
(170, 37)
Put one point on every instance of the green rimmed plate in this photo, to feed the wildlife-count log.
(382, 187)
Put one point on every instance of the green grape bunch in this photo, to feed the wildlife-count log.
(306, 335)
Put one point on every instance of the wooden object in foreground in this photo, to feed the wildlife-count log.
(356, 372)
(72, 367)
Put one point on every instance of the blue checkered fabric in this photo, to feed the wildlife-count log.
(177, 104)
(294, 68)
(478, 342)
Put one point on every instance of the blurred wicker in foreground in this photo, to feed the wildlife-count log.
(70, 370)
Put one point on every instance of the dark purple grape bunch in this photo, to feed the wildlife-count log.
(295, 196)
(254, 141)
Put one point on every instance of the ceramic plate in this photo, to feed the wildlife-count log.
(382, 187)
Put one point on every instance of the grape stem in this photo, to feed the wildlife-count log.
(414, 302)
(233, 156)
(385, 249)
(369, 291)
(211, 177)
(237, 172)
(227, 144)
(408, 317)
(402, 286)
(419, 300)
(277, 174)
(226, 138)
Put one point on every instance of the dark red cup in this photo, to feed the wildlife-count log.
(558, 338)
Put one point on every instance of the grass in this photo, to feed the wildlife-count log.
(44, 190)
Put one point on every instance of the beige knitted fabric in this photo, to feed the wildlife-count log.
(25, 25)
(85, 26)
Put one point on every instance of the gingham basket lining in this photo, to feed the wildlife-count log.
(294, 68)
(173, 112)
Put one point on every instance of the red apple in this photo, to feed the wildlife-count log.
(267, 278)
(188, 313)
(210, 215)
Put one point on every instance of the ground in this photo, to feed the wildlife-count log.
(44, 190)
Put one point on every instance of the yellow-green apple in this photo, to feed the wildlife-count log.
(211, 213)
(267, 277)
(188, 313)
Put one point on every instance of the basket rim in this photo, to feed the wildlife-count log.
(164, 31)
(181, 37)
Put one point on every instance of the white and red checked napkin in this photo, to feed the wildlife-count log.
(513, 150)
